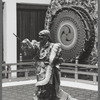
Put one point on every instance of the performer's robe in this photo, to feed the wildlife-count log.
(48, 73)
(48, 59)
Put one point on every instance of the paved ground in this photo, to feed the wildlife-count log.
(25, 92)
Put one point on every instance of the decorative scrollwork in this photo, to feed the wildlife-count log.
(90, 6)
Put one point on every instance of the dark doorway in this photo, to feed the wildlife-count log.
(30, 20)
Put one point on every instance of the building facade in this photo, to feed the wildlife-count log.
(14, 14)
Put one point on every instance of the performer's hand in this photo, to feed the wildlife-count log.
(26, 46)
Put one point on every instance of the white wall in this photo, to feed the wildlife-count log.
(10, 27)
(34, 1)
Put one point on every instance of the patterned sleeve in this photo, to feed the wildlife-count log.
(29, 48)
(35, 43)
(55, 51)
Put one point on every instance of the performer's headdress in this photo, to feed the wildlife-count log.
(45, 33)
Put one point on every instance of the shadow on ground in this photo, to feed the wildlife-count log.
(25, 92)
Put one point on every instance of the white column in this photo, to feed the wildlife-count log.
(9, 27)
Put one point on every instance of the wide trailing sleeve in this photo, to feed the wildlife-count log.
(46, 71)
(55, 54)
(44, 76)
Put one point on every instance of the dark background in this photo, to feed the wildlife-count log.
(30, 21)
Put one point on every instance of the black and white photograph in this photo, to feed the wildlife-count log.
(50, 50)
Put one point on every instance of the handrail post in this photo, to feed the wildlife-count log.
(20, 66)
(76, 69)
(26, 74)
(94, 78)
(20, 57)
(9, 72)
